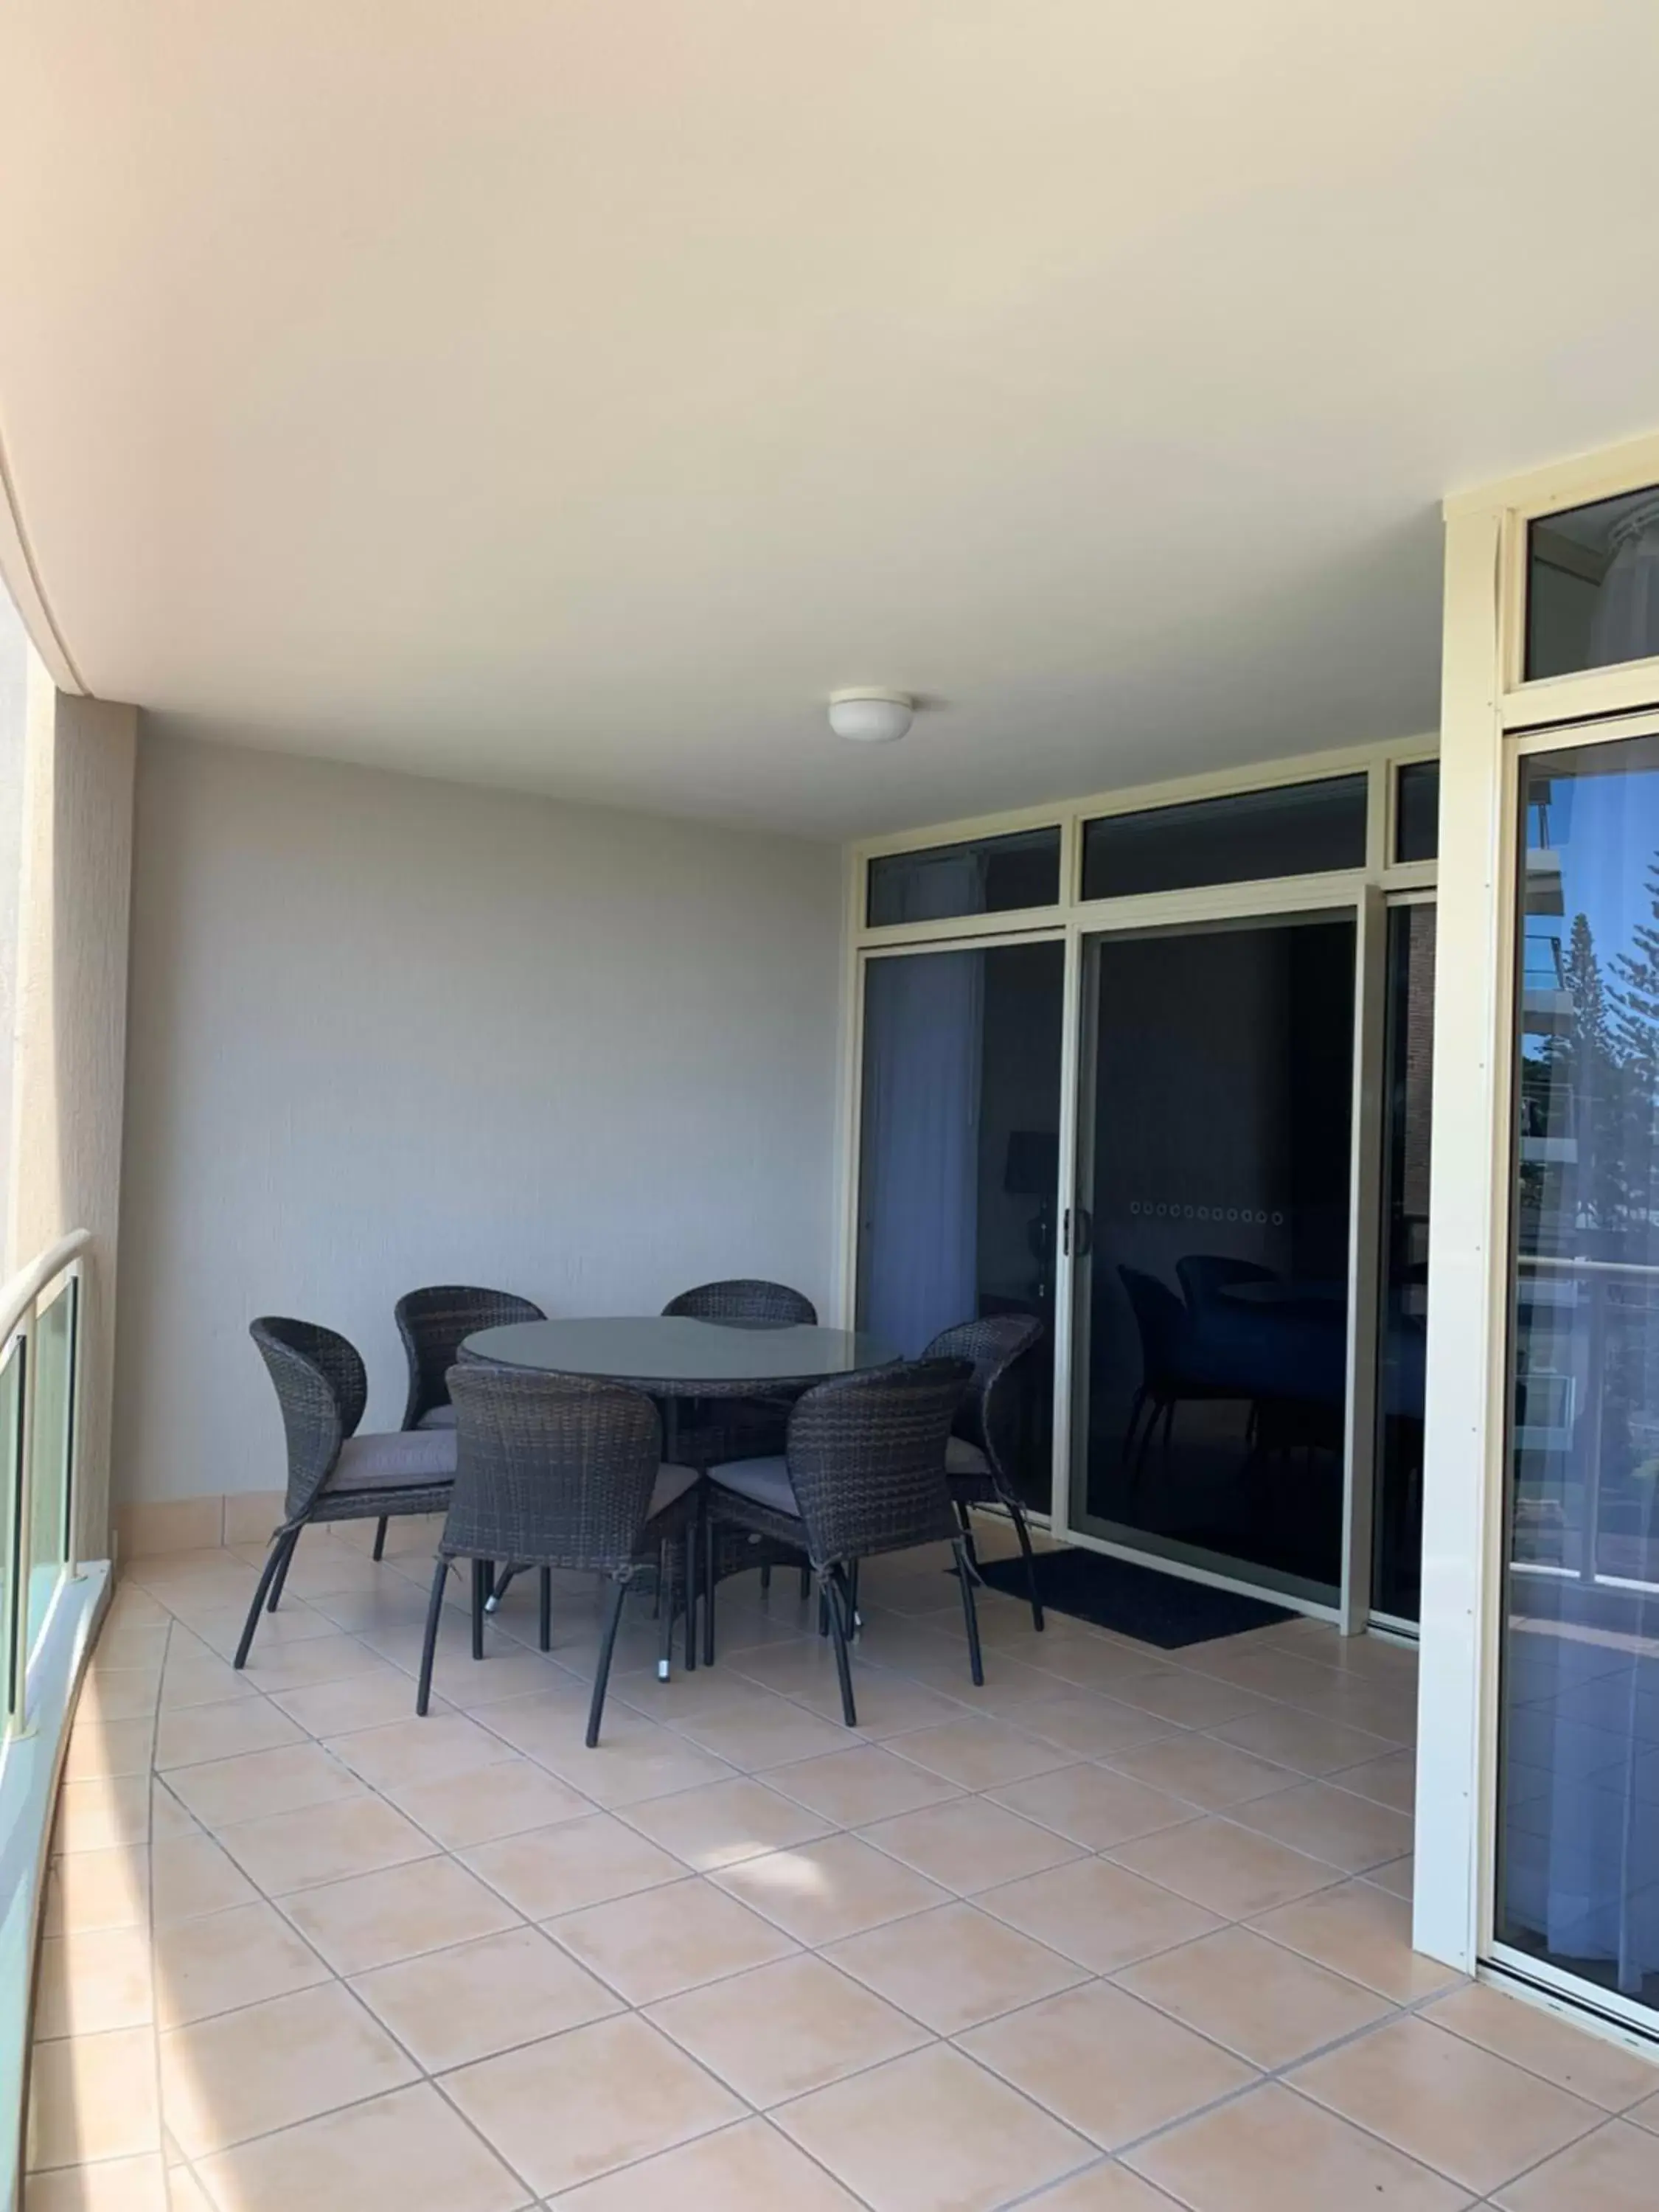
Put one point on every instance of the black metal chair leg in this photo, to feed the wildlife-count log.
(483, 1583)
(1030, 1558)
(544, 1625)
(277, 1556)
(843, 1664)
(766, 1577)
(708, 1536)
(806, 1583)
(693, 1545)
(665, 1615)
(976, 1665)
(607, 1644)
(429, 1644)
(496, 1586)
(279, 1582)
(965, 1521)
(379, 1553)
(1136, 1406)
(823, 1607)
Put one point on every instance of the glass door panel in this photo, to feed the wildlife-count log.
(1403, 1306)
(959, 1162)
(1579, 1769)
(1214, 1169)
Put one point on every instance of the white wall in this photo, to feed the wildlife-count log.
(387, 1031)
(13, 714)
(70, 1037)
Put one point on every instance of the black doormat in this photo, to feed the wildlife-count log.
(1158, 1608)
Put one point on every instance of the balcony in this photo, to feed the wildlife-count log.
(1115, 1930)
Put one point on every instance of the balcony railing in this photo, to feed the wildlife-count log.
(40, 1321)
(1573, 1521)
(49, 1602)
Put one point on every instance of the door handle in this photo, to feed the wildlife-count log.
(1079, 1237)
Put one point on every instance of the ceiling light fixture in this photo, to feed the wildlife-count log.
(870, 716)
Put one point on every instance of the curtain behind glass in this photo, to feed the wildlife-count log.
(919, 1173)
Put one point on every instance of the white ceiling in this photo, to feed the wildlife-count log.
(571, 393)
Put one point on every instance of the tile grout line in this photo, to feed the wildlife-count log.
(761, 1777)
(384, 2027)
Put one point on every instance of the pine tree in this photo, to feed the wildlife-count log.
(1591, 1059)
(1632, 1000)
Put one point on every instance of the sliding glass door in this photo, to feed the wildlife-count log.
(1211, 1242)
(1577, 1839)
(959, 1160)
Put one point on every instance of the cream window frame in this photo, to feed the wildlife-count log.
(1071, 919)
(1492, 718)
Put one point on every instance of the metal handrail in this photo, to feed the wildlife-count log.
(26, 1284)
(20, 1305)
(1584, 1266)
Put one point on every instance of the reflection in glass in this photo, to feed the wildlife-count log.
(1593, 586)
(1578, 1871)
(1248, 836)
(1213, 1310)
(993, 875)
(959, 1161)
(52, 1346)
(1403, 1308)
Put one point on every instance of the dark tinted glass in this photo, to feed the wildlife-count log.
(959, 1164)
(1299, 829)
(1403, 1315)
(1593, 586)
(993, 875)
(1578, 1813)
(1210, 1365)
(1417, 812)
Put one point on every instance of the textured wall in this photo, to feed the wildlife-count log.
(14, 717)
(70, 1026)
(388, 1031)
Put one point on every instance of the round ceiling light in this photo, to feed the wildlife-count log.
(869, 716)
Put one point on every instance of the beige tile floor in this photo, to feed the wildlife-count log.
(1123, 1931)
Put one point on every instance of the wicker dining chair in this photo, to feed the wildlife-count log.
(745, 1298)
(434, 1323)
(973, 1458)
(334, 1473)
(560, 1471)
(863, 1472)
(713, 1429)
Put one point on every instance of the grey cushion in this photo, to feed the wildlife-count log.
(440, 1417)
(765, 1480)
(400, 1460)
(963, 1458)
(673, 1482)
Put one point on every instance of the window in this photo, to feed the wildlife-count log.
(1579, 1819)
(1296, 830)
(1593, 586)
(1417, 812)
(990, 875)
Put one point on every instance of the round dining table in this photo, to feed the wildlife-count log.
(671, 1357)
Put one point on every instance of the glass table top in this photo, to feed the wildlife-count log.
(673, 1353)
